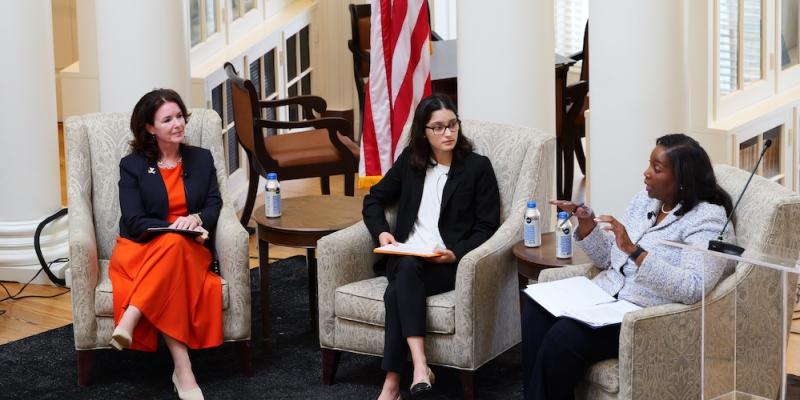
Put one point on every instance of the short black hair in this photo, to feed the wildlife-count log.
(419, 147)
(693, 173)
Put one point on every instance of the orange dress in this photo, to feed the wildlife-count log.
(168, 279)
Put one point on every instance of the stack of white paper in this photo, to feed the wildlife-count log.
(580, 299)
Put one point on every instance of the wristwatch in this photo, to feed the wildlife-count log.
(636, 253)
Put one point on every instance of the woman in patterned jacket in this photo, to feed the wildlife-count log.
(681, 202)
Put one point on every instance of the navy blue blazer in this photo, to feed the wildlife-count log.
(470, 212)
(143, 195)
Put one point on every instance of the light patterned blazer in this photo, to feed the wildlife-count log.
(667, 274)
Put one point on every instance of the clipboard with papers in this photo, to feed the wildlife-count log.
(580, 299)
(404, 249)
(150, 233)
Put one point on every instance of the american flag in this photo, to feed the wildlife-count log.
(399, 77)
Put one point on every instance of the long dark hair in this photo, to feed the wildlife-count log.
(144, 113)
(419, 147)
(693, 172)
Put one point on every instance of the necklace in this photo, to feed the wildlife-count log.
(665, 211)
(169, 165)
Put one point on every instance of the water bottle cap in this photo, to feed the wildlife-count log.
(531, 204)
(563, 215)
(272, 175)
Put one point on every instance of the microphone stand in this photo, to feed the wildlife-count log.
(721, 246)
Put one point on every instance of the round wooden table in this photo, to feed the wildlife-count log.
(532, 260)
(303, 222)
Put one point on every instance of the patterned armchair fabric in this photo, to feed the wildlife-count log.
(659, 349)
(480, 318)
(95, 145)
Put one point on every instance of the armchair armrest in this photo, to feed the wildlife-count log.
(231, 244)
(308, 102)
(660, 341)
(554, 274)
(342, 257)
(486, 297)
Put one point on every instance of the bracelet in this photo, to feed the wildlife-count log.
(636, 253)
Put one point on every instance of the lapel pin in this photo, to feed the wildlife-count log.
(151, 170)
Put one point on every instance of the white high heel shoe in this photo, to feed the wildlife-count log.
(194, 394)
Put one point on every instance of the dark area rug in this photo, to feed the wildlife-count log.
(44, 366)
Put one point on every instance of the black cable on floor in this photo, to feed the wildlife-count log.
(30, 296)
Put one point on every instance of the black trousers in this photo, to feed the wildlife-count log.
(411, 281)
(557, 352)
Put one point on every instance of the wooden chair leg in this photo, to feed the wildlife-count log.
(569, 169)
(559, 170)
(84, 366)
(252, 189)
(245, 356)
(325, 184)
(350, 183)
(330, 362)
(468, 384)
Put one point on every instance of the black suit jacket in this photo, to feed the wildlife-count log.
(143, 195)
(470, 211)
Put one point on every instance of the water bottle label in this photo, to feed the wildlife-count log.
(531, 233)
(564, 244)
(273, 203)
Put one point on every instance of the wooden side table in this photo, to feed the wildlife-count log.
(532, 260)
(303, 222)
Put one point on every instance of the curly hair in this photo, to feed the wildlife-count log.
(693, 172)
(144, 113)
(418, 144)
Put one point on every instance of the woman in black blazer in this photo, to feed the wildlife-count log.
(447, 196)
(162, 284)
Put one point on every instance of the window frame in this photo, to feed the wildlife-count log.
(747, 94)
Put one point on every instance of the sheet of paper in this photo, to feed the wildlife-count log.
(575, 292)
(407, 249)
(602, 314)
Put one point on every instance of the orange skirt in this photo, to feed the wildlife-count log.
(168, 279)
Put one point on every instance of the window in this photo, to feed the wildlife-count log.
(298, 67)
(240, 7)
(571, 17)
(789, 35)
(203, 19)
(222, 104)
(740, 44)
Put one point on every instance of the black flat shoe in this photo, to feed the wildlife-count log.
(423, 386)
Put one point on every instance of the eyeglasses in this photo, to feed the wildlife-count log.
(439, 129)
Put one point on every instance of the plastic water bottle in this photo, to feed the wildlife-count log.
(532, 234)
(563, 236)
(272, 196)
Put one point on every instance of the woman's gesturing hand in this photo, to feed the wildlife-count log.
(386, 238)
(188, 222)
(586, 221)
(624, 242)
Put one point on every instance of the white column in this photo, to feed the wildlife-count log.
(638, 92)
(29, 142)
(141, 45)
(506, 62)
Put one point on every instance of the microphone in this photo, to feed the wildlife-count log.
(650, 214)
(729, 248)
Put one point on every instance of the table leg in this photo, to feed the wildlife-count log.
(263, 271)
(311, 260)
(523, 283)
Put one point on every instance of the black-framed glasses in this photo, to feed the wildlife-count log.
(439, 129)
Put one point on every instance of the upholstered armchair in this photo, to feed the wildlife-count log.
(480, 318)
(95, 145)
(659, 347)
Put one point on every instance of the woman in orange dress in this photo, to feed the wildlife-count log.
(163, 283)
